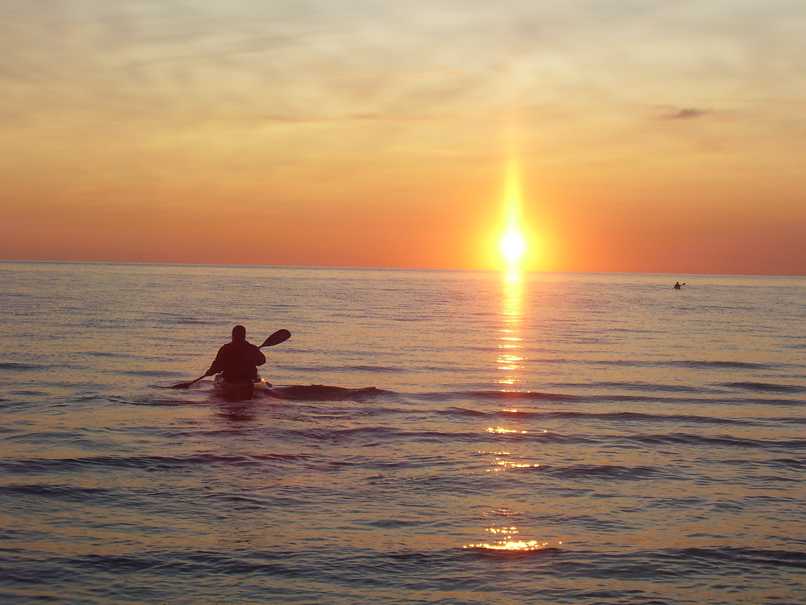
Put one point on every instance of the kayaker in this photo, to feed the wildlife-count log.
(238, 359)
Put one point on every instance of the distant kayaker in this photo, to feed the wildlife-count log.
(678, 285)
(238, 359)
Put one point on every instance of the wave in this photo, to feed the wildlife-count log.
(151, 463)
(388, 433)
(71, 493)
(587, 471)
(354, 368)
(29, 393)
(385, 434)
(544, 396)
(689, 400)
(634, 386)
(690, 439)
(354, 567)
(21, 367)
(765, 386)
(743, 556)
(719, 365)
(672, 563)
(596, 398)
(639, 363)
(379, 434)
(376, 432)
(611, 416)
(151, 401)
(798, 463)
(640, 417)
(783, 463)
(190, 321)
(604, 471)
(787, 420)
(494, 395)
(321, 392)
(370, 569)
(152, 373)
(467, 412)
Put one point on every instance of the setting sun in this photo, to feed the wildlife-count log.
(513, 246)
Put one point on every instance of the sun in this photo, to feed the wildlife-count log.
(513, 246)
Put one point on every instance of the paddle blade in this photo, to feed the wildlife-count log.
(186, 385)
(276, 338)
(182, 385)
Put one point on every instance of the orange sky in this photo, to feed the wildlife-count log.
(653, 136)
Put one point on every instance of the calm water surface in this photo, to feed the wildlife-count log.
(478, 438)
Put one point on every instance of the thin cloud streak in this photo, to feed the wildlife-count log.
(686, 113)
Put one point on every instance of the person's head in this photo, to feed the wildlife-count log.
(238, 334)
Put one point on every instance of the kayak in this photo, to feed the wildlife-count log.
(238, 391)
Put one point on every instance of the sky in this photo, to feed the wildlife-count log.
(649, 136)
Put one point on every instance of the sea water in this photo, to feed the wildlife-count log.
(478, 438)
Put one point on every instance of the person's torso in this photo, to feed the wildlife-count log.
(238, 360)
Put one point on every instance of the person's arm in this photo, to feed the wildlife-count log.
(260, 358)
(217, 365)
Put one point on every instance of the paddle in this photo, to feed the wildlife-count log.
(275, 339)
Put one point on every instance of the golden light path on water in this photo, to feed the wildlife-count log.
(509, 541)
(509, 362)
(510, 340)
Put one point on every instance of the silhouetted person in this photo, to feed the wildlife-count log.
(238, 360)
(677, 285)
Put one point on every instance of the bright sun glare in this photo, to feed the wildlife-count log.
(513, 246)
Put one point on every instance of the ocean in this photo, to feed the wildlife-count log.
(474, 438)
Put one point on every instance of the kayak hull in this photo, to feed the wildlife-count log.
(239, 391)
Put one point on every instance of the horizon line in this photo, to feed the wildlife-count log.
(374, 268)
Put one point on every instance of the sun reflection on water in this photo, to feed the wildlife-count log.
(508, 542)
(499, 463)
(505, 465)
(500, 430)
(509, 360)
